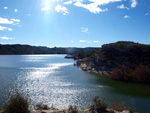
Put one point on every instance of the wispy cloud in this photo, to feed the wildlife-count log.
(45, 9)
(84, 30)
(10, 29)
(5, 7)
(134, 3)
(15, 10)
(93, 6)
(11, 21)
(61, 9)
(15, 20)
(147, 14)
(72, 41)
(68, 2)
(122, 7)
(6, 38)
(5, 21)
(96, 41)
(2, 28)
(85, 41)
(28, 14)
(127, 17)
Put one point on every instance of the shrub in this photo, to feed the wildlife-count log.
(17, 103)
(111, 111)
(73, 109)
(142, 74)
(99, 105)
(41, 106)
(13, 98)
(120, 106)
(122, 72)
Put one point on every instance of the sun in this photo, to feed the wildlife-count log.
(47, 3)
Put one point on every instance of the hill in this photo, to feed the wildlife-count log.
(18, 49)
(125, 54)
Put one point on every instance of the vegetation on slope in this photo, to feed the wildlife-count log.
(27, 49)
(134, 58)
(17, 103)
(140, 74)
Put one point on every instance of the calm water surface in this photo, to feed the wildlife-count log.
(51, 79)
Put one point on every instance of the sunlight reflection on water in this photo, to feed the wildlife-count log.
(45, 86)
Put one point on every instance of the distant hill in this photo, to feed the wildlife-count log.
(106, 58)
(18, 49)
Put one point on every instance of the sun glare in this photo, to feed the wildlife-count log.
(46, 4)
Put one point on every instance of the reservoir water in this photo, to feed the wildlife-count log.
(52, 79)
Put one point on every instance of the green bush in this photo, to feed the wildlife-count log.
(73, 109)
(17, 103)
(99, 105)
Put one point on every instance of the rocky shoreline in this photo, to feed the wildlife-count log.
(78, 111)
(89, 67)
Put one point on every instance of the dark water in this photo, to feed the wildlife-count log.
(51, 79)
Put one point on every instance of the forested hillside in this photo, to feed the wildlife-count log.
(127, 61)
(27, 49)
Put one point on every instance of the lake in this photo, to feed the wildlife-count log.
(52, 79)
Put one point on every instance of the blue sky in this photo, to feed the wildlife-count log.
(74, 23)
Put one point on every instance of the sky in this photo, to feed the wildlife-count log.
(74, 23)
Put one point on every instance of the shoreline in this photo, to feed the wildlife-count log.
(77, 111)
(90, 68)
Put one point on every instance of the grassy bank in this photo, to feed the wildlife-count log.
(18, 103)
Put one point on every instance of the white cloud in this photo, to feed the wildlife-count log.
(5, 7)
(94, 6)
(11, 21)
(2, 28)
(45, 9)
(96, 41)
(15, 20)
(147, 14)
(68, 2)
(15, 10)
(10, 29)
(84, 41)
(6, 38)
(72, 41)
(126, 16)
(28, 14)
(122, 7)
(61, 9)
(5, 21)
(85, 30)
(134, 3)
